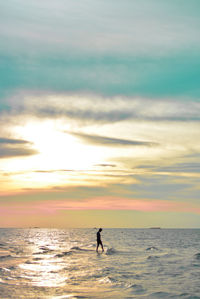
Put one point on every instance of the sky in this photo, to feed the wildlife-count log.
(100, 113)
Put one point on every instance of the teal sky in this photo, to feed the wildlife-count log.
(120, 80)
(146, 48)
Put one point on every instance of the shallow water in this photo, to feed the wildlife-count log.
(137, 263)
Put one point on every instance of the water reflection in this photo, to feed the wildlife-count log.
(46, 272)
(48, 263)
(44, 268)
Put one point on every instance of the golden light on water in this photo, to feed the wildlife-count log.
(45, 269)
(45, 273)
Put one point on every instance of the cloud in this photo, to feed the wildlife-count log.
(6, 152)
(90, 108)
(85, 115)
(108, 141)
(162, 186)
(181, 167)
(53, 170)
(145, 26)
(15, 147)
(141, 48)
(186, 167)
(106, 165)
(13, 141)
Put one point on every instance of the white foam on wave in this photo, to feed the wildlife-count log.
(152, 248)
(106, 280)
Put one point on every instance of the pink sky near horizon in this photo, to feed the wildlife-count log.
(48, 207)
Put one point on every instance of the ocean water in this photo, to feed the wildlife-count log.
(137, 263)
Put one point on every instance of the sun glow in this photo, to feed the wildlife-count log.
(59, 156)
(57, 149)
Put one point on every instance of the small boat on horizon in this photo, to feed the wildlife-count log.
(155, 227)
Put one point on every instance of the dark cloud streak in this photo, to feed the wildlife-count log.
(106, 165)
(6, 152)
(13, 141)
(11, 148)
(108, 141)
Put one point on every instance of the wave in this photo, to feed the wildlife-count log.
(136, 286)
(39, 252)
(152, 248)
(37, 259)
(197, 256)
(76, 248)
(111, 251)
(153, 257)
(43, 250)
(161, 294)
(63, 254)
(30, 262)
(2, 281)
(136, 289)
(5, 269)
(5, 256)
(70, 296)
(107, 280)
(73, 250)
(169, 255)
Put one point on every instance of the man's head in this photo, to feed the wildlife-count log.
(100, 229)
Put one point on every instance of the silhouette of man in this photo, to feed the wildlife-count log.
(99, 242)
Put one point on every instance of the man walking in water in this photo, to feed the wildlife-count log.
(99, 242)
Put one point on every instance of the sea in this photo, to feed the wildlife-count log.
(63, 263)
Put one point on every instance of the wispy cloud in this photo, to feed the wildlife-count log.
(145, 26)
(15, 147)
(108, 141)
(53, 170)
(7, 141)
(106, 165)
(186, 167)
(93, 108)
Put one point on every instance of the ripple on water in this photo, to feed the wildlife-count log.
(7, 256)
(125, 270)
(161, 295)
(136, 289)
(65, 253)
(153, 257)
